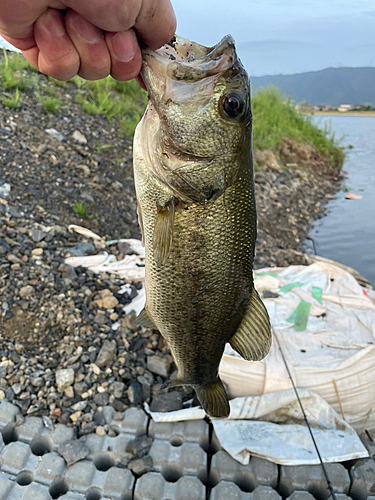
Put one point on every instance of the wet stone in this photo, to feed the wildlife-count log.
(37, 235)
(171, 401)
(73, 451)
(142, 465)
(135, 393)
(107, 354)
(140, 446)
(101, 399)
(159, 365)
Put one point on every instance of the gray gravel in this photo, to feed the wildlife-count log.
(62, 356)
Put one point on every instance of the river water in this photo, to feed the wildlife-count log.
(347, 232)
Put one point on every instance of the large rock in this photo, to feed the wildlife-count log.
(73, 451)
(171, 401)
(159, 364)
(64, 378)
(26, 291)
(107, 354)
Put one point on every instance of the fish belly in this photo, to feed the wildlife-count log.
(199, 295)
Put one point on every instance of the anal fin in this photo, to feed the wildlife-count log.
(163, 231)
(143, 319)
(253, 337)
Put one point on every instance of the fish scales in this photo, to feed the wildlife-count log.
(198, 220)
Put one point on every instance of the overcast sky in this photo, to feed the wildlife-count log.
(285, 36)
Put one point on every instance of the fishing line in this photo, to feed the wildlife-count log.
(307, 422)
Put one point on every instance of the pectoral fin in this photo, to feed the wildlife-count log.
(140, 220)
(252, 339)
(163, 231)
(143, 319)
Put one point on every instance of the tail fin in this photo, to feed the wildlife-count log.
(213, 399)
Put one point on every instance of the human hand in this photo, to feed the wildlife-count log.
(95, 38)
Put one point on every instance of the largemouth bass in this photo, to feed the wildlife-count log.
(193, 172)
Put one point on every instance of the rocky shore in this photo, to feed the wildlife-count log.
(61, 357)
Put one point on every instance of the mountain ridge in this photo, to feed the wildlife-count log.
(326, 87)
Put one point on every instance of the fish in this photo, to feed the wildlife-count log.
(193, 172)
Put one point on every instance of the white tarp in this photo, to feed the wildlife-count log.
(334, 356)
(272, 427)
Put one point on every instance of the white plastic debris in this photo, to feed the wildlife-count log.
(272, 427)
(324, 321)
(5, 190)
(130, 268)
(138, 303)
(84, 232)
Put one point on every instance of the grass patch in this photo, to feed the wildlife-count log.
(123, 104)
(51, 104)
(276, 117)
(122, 101)
(12, 102)
(14, 72)
(84, 210)
(58, 83)
(50, 98)
(7, 76)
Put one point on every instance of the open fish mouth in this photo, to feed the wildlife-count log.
(187, 62)
(190, 62)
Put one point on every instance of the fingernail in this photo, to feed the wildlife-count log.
(54, 25)
(124, 45)
(86, 30)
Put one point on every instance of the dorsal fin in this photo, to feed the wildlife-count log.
(252, 339)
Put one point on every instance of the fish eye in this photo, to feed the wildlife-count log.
(233, 105)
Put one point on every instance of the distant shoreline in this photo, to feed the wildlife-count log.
(347, 113)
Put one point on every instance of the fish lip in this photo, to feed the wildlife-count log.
(168, 50)
(181, 59)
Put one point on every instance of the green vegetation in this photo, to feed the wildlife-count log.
(84, 210)
(12, 102)
(14, 72)
(50, 98)
(52, 104)
(123, 104)
(58, 83)
(276, 117)
(123, 101)
(120, 102)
